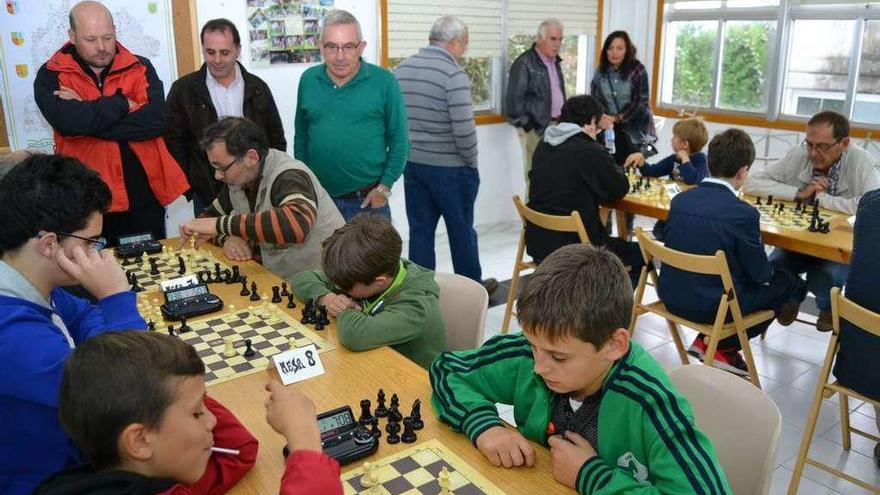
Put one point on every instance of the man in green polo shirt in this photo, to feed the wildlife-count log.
(351, 127)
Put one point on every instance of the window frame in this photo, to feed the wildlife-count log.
(778, 55)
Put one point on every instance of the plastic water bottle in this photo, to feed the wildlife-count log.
(609, 140)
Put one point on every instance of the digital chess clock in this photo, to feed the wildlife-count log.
(135, 244)
(190, 300)
(342, 438)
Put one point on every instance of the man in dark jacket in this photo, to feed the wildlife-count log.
(220, 88)
(536, 89)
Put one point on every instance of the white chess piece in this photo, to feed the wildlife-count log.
(444, 481)
(229, 350)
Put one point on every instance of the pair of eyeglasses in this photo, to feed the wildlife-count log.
(98, 243)
(821, 147)
(346, 48)
(223, 168)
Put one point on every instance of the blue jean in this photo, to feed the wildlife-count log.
(431, 192)
(822, 275)
(351, 207)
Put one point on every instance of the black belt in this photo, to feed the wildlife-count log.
(360, 193)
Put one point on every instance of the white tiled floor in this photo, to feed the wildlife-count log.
(788, 362)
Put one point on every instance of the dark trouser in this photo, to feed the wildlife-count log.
(351, 207)
(629, 254)
(783, 288)
(822, 275)
(145, 213)
(434, 191)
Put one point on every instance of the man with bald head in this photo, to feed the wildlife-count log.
(107, 108)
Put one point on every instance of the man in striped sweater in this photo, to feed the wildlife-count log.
(441, 177)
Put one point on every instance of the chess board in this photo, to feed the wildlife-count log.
(653, 188)
(415, 471)
(269, 332)
(788, 218)
(195, 261)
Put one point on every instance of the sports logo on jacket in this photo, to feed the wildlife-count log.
(639, 471)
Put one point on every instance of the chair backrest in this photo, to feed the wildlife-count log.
(463, 303)
(844, 309)
(559, 223)
(725, 406)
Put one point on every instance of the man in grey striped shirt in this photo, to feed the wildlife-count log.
(441, 177)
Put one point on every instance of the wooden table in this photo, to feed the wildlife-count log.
(835, 245)
(350, 377)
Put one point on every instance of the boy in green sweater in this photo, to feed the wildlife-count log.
(612, 419)
(377, 298)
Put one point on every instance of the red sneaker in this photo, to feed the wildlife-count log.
(698, 348)
(730, 360)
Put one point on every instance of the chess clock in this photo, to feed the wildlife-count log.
(342, 438)
(135, 244)
(188, 301)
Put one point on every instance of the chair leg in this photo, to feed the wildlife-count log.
(805, 441)
(747, 356)
(709, 358)
(844, 422)
(679, 346)
(511, 296)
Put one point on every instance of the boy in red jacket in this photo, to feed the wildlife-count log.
(135, 404)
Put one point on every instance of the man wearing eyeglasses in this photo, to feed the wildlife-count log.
(351, 121)
(220, 88)
(49, 226)
(827, 168)
(271, 207)
(107, 108)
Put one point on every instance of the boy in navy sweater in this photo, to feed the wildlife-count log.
(687, 162)
(711, 217)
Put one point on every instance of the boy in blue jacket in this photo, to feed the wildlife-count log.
(709, 218)
(51, 216)
(687, 162)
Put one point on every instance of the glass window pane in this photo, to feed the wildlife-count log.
(818, 65)
(479, 70)
(519, 43)
(744, 66)
(867, 104)
(741, 4)
(697, 5)
(688, 59)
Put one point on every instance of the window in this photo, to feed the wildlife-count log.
(481, 72)
(569, 53)
(747, 57)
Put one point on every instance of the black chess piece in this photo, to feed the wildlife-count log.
(825, 228)
(135, 287)
(290, 303)
(217, 271)
(814, 227)
(255, 296)
(409, 433)
(227, 276)
(171, 330)
(276, 296)
(284, 291)
(126, 261)
(381, 410)
(769, 200)
(392, 427)
(416, 415)
(249, 349)
(184, 327)
(366, 415)
(236, 274)
(308, 313)
(320, 319)
(139, 258)
(374, 430)
(209, 279)
(394, 410)
(758, 201)
(244, 290)
(393, 438)
(154, 266)
(151, 325)
(181, 269)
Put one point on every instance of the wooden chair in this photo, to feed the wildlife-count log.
(841, 309)
(727, 301)
(463, 304)
(560, 223)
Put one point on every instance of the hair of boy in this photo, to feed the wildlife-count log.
(579, 291)
(361, 250)
(239, 134)
(839, 124)
(692, 130)
(50, 193)
(581, 110)
(117, 379)
(730, 151)
(629, 56)
(224, 26)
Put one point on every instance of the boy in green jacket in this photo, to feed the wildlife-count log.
(377, 298)
(604, 406)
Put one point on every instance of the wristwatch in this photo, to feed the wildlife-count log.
(383, 190)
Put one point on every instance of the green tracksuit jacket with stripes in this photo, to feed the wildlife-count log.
(648, 441)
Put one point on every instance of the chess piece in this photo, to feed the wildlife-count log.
(290, 303)
(255, 296)
(825, 228)
(276, 296)
(416, 415)
(381, 410)
(367, 468)
(217, 273)
(244, 290)
(181, 269)
(291, 344)
(229, 350)
(171, 330)
(392, 428)
(814, 227)
(409, 433)
(375, 486)
(394, 410)
(151, 325)
(249, 349)
(135, 287)
(139, 258)
(321, 318)
(443, 481)
(758, 201)
(154, 266)
(227, 276)
(284, 291)
(183, 326)
(236, 274)
(374, 427)
(769, 200)
(366, 414)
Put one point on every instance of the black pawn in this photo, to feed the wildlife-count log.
(290, 303)
(151, 325)
(758, 201)
(183, 326)
(181, 269)
(244, 290)
(393, 428)
(381, 410)
(139, 258)
(171, 330)
(769, 200)
(284, 291)
(154, 266)
(227, 276)
(374, 430)
(276, 296)
(416, 415)
(366, 415)
(409, 433)
(255, 296)
(249, 349)
(135, 287)
(825, 228)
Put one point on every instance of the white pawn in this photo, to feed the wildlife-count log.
(367, 468)
(444, 481)
(375, 486)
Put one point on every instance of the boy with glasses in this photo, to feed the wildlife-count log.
(52, 214)
(826, 168)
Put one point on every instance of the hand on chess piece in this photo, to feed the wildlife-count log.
(505, 447)
(292, 414)
(634, 160)
(97, 271)
(336, 303)
(237, 249)
(569, 453)
(203, 228)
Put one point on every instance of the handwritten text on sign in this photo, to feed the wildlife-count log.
(298, 364)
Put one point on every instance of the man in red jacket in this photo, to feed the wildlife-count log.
(107, 108)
